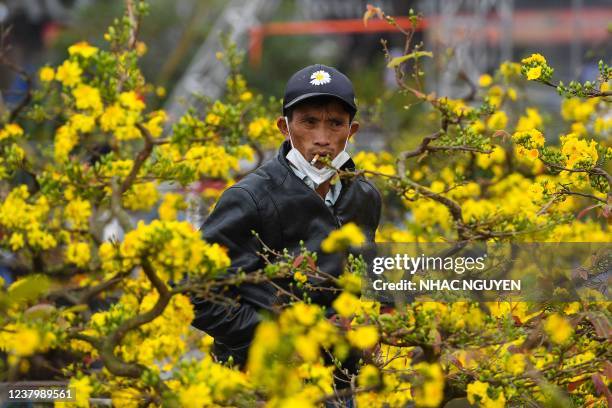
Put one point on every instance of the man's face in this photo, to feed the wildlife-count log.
(319, 129)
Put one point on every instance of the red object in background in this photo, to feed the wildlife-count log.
(50, 32)
(387, 310)
(216, 184)
(529, 27)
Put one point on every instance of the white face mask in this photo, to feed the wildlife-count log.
(318, 176)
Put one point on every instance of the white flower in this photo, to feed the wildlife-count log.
(320, 78)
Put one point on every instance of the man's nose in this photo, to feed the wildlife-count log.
(321, 136)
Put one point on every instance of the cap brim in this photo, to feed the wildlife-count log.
(313, 94)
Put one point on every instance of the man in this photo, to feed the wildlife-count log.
(289, 199)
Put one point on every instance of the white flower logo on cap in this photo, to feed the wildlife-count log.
(320, 77)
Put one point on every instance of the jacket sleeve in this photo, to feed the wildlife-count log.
(230, 224)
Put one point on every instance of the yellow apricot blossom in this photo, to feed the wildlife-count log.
(602, 125)
(348, 235)
(575, 109)
(141, 196)
(558, 328)
(131, 100)
(112, 117)
(126, 398)
(141, 48)
(537, 58)
(486, 401)
(46, 74)
(497, 156)
(65, 140)
(69, 73)
(196, 395)
(78, 253)
(529, 139)
(11, 130)
(78, 211)
(82, 390)
(495, 95)
(82, 123)
(498, 120)
(155, 124)
(532, 120)
(16, 241)
(87, 97)
(346, 304)
(19, 340)
(264, 131)
(83, 49)
(431, 392)
(170, 205)
(578, 151)
(212, 160)
(485, 80)
(368, 376)
(511, 92)
(300, 277)
(213, 119)
(516, 364)
(510, 69)
(456, 106)
(363, 337)
(534, 73)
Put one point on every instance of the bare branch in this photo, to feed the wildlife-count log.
(134, 23)
(142, 156)
(122, 216)
(457, 148)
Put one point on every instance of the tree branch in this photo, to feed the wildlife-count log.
(453, 207)
(134, 23)
(115, 364)
(123, 217)
(589, 94)
(142, 156)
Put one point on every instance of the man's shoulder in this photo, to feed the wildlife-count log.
(263, 179)
(368, 188)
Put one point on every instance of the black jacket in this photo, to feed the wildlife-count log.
(283, 210)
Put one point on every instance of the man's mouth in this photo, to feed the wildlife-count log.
(317, 156)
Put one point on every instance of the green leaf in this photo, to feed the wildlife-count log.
(416, 55)
(28, 288)
(39, 312)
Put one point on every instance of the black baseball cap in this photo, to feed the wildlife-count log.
(318, 80)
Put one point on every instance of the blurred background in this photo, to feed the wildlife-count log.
(468, 37)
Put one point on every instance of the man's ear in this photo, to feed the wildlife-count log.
(354, 129)
(282, 126)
